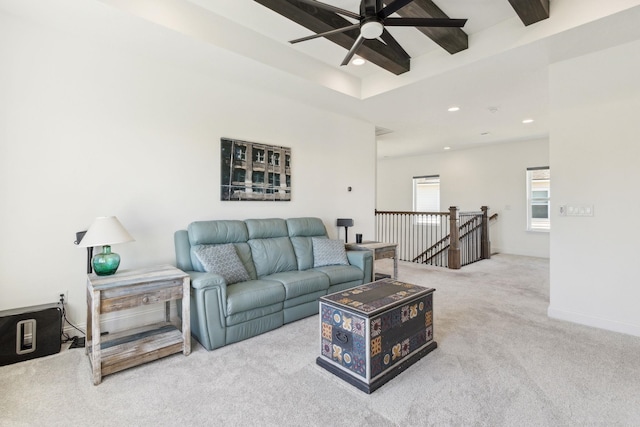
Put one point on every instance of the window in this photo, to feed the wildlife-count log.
(241, 152)
(426, 197)
(539, 199)
(239, 175)
(274, 183)
(258, 155)
(258, 182)
(274, 158)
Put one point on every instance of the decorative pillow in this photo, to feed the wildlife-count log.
(222, 260)
(328, 252)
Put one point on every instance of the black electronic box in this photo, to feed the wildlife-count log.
(30, 332)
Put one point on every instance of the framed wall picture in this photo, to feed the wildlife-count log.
(254, 171)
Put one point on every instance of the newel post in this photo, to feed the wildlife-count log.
(454, 241)
(485, 251)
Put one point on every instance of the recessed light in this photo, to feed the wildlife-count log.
(526, 121)
(452, 109)
(447, 148)
(358, 61)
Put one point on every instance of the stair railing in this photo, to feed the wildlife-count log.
(452, 239)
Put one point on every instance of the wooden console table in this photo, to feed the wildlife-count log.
(135, 288)
(380, 251)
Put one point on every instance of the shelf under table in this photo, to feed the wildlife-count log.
(134, 347)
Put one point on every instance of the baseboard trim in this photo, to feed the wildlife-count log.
(595, 322)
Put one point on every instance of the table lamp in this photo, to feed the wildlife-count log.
(105, 231)
(346, 223)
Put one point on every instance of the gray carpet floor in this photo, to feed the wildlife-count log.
(500, 361)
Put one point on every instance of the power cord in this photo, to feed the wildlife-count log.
(78, 342)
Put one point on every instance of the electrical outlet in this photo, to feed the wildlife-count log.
(65, 295)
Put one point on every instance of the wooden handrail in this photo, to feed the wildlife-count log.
(411, 213)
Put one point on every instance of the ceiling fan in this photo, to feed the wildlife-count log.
(372, 20)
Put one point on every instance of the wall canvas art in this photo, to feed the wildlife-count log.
(253, 171)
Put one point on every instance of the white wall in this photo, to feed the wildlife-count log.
(494, 176)
(595, 149)
(90, 129)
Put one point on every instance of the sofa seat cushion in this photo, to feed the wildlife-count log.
(305, 299)
(341, 273)
(297, 283)
(253, 294)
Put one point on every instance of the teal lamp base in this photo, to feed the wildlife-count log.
(106, 263)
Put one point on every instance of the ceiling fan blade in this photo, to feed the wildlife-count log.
(353, 50)
(424, 22)
(393, 7)
(331, 8)
(326, 33)
(388, 39)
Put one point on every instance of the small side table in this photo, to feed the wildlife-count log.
(380, 251)
(135, 288)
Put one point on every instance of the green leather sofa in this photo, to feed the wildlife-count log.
(283, 284)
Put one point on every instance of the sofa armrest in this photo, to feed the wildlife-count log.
(206, 281)
(364, 261)
(208, 308)
(202, 280)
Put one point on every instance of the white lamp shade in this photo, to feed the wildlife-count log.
(105, 230)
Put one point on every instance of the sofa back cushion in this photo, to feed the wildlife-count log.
(273, 255)
(219, 232)
(244, 252)
(301, 230)
(307, 227)
(183, 250)
(271, 248)
(266, 228)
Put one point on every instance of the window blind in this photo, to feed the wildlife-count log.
(426, 194)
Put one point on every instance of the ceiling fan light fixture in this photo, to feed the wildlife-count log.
(358, 61)
(371, 30)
